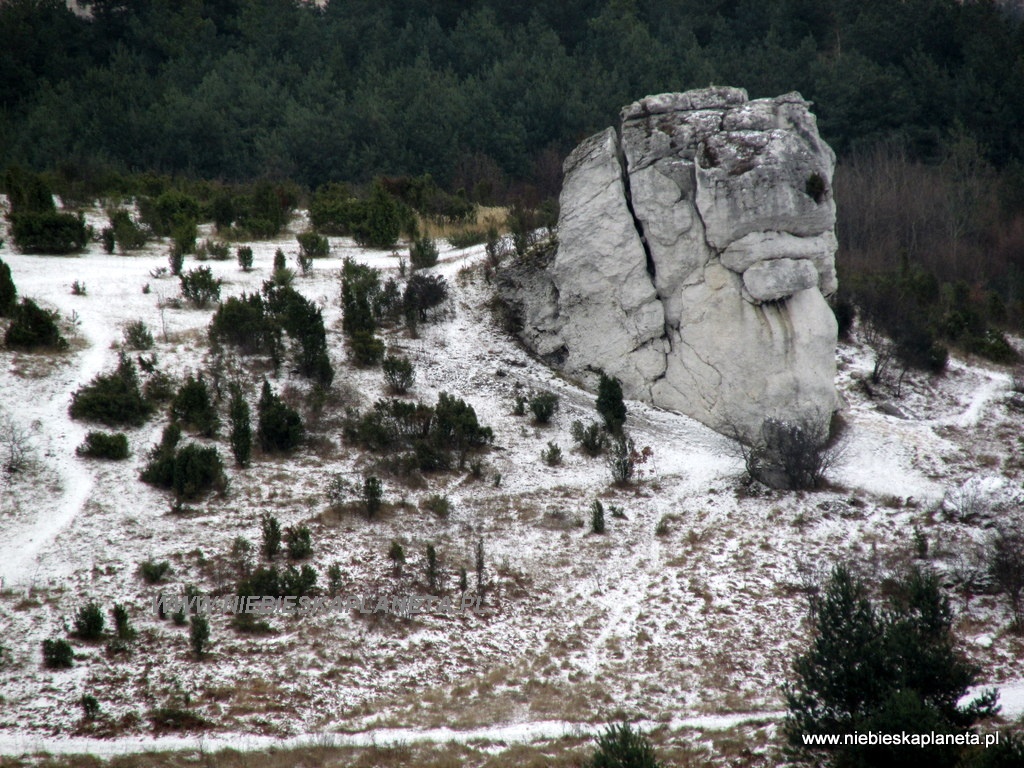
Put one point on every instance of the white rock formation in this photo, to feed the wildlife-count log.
(695, 248)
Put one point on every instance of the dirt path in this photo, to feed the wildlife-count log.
(23, 543)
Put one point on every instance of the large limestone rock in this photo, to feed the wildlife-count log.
(695, 248)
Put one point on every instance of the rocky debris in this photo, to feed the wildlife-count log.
(695, 248)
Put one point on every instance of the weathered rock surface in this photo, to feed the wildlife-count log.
(695, 248)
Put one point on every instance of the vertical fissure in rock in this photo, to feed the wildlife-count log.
(637, 224)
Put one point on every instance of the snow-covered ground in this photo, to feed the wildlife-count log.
(696, 625)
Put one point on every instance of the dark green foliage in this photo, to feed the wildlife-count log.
(193, 408)
(455, 426)
(78, 289)
(50, 232)
(113, 398)
(424, 293)
(365, 348)
(1005, 561)
(107, 239)
(373, 495)
(57, 654)
(246, 323)
(303, 321)
(189, 471)
(334, 209)
(889, 668)
(436, 437)
(122, 623)
(543, 405)
(399, 374)
(200, 287)
(89, 622)
(137, 336)
(168, 211)
(90, 706)
(8, 291)
(597, 517)
(621, 458)
(159, 469)
(422, 253)
(244, 255)
(396, 554)
(1007, 753)
(279, 427)
(279, 260)
(439, 505)
(432, 569)
(299, 541)
(27, 191)
(153, 572)
(183, 239)
(270, 530)
(128, 235)
(213, 249)
(197, 469)
(610, 405)
(622, 747)
(360, 286)
(176, 259)
(102, 445)
(313, 246)
(379, 221)
(33, 328)
(552, 454)
(199, 636)
(241, 426)
(591, 438)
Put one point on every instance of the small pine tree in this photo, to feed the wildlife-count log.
(193, 408)
(279, 260)
(90, 706)
(279, 427)
(373, 494)
(89, 622)
(622, 747)
(396, 554)
(610, 404)
(480, 566)
(57, 654)
(244, 255)
(432, 570)
(300, 542)
(597, 516)
(199, 636)
(271, 530)
(399, 374)
(33, 327)
(422, 253)
(122, 624)
(8, 291)
(241, 426)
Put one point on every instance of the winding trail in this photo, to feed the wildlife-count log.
(22, 545)
(520, 733)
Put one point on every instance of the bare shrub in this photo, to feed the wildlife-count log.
(793, 455)
(15, 445)
(1005, 562)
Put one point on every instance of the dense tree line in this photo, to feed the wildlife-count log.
(481, 94)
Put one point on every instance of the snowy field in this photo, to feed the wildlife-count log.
(690, 624)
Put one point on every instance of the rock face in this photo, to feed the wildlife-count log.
(695, 248)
